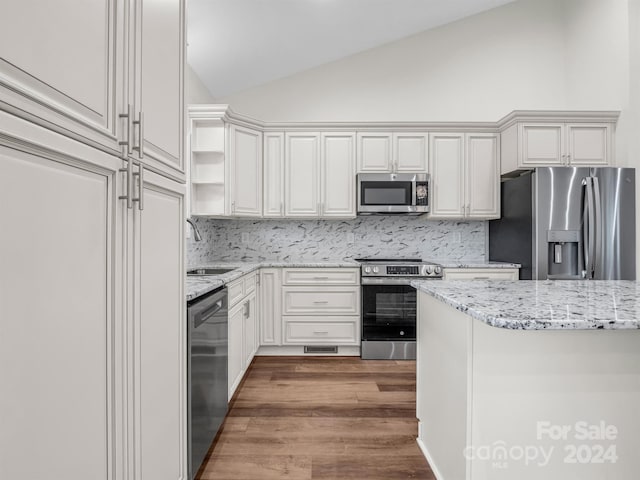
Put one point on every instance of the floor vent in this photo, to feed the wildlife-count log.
(308, 349)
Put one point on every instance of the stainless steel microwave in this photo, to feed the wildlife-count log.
(380, 193)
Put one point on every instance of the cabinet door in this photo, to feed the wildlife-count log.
(410, 152)
(338, 175)
(61, 72)
(446, 163)
(236, 325)
(270, 307)
(245, 147)
(541, 145)
(60, 328)
(589, 144)
(273, 164)
(249, 331)
(482, 176)
(159, 331)
(374, 152)
(158, 83)
(302, 169)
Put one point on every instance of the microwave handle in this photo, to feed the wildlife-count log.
(413, 193)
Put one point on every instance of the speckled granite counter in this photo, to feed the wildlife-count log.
(471, 264)
(199, 285)
(538, 305)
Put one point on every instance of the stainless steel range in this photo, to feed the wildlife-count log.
(389, 306)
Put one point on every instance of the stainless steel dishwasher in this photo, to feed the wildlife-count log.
(207, 372)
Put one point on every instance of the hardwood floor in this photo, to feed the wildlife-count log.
(311, 418)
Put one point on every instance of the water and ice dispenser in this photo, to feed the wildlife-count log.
(563, 260)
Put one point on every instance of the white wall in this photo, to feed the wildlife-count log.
(479, 68)
(195, 91)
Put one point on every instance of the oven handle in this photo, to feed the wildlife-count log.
(393, 280)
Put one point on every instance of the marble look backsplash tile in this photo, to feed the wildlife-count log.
(371, 236)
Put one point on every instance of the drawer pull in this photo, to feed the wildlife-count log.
(321, 278)
(481, 278)
(316, 332)
(321, 302)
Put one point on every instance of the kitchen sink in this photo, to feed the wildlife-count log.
(208, 271)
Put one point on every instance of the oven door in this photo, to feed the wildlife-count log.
(388, 311)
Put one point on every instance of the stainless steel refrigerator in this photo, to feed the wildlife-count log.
(568, 223)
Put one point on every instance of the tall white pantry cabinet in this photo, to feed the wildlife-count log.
(92, 321)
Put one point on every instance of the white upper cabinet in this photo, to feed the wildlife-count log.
(61, 72)
(465, 176)
(526, 145)
(482, 176)
(588, 144)
(410, 152)
(245, 151)
(156, 84)
(392, 152)
(302, 168)
(374, 151)
(447, 175)
(273, 167)
(116, 76)
(338, 175)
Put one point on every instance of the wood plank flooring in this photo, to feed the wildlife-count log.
(320, 418)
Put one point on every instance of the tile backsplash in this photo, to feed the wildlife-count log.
(232, 240)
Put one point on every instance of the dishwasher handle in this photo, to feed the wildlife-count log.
(203, 310)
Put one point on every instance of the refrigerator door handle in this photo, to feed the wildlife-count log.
(589, 226)
(597, 258)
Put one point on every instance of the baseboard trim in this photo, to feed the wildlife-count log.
(427, 455)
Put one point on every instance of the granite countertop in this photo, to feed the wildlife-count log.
(199, 285)
(539, 305)
(472, 264)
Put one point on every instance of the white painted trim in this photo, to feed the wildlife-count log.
(225, 113)
(427, 456)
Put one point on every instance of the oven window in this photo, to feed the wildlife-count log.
(385, 193)
(388, 312)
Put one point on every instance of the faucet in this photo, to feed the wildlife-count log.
(196, 233)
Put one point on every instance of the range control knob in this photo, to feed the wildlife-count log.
(429, 269)
(437, 270)
(375, 270)
(367, 269)
(402, 332)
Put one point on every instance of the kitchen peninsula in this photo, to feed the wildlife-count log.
(529, 380)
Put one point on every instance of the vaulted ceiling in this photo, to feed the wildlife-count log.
(238, 44)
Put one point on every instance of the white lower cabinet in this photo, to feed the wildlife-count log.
(270, 307)
(480, 274)
(92, 337)
(243, 327)
(320, 306)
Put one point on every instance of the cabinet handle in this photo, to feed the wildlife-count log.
(321, 278)
(320, 302)
(233, 207)
(281, 208)
(140, 197)
(127, 142)
(140, 123)
(320, 332)
(129, 196)
(247, 309)
(481, 278)
(568, 159)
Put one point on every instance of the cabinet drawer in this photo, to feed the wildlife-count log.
(235, 291)
(321, 300)
(338, 331)
(321, 276)
(480, 274)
